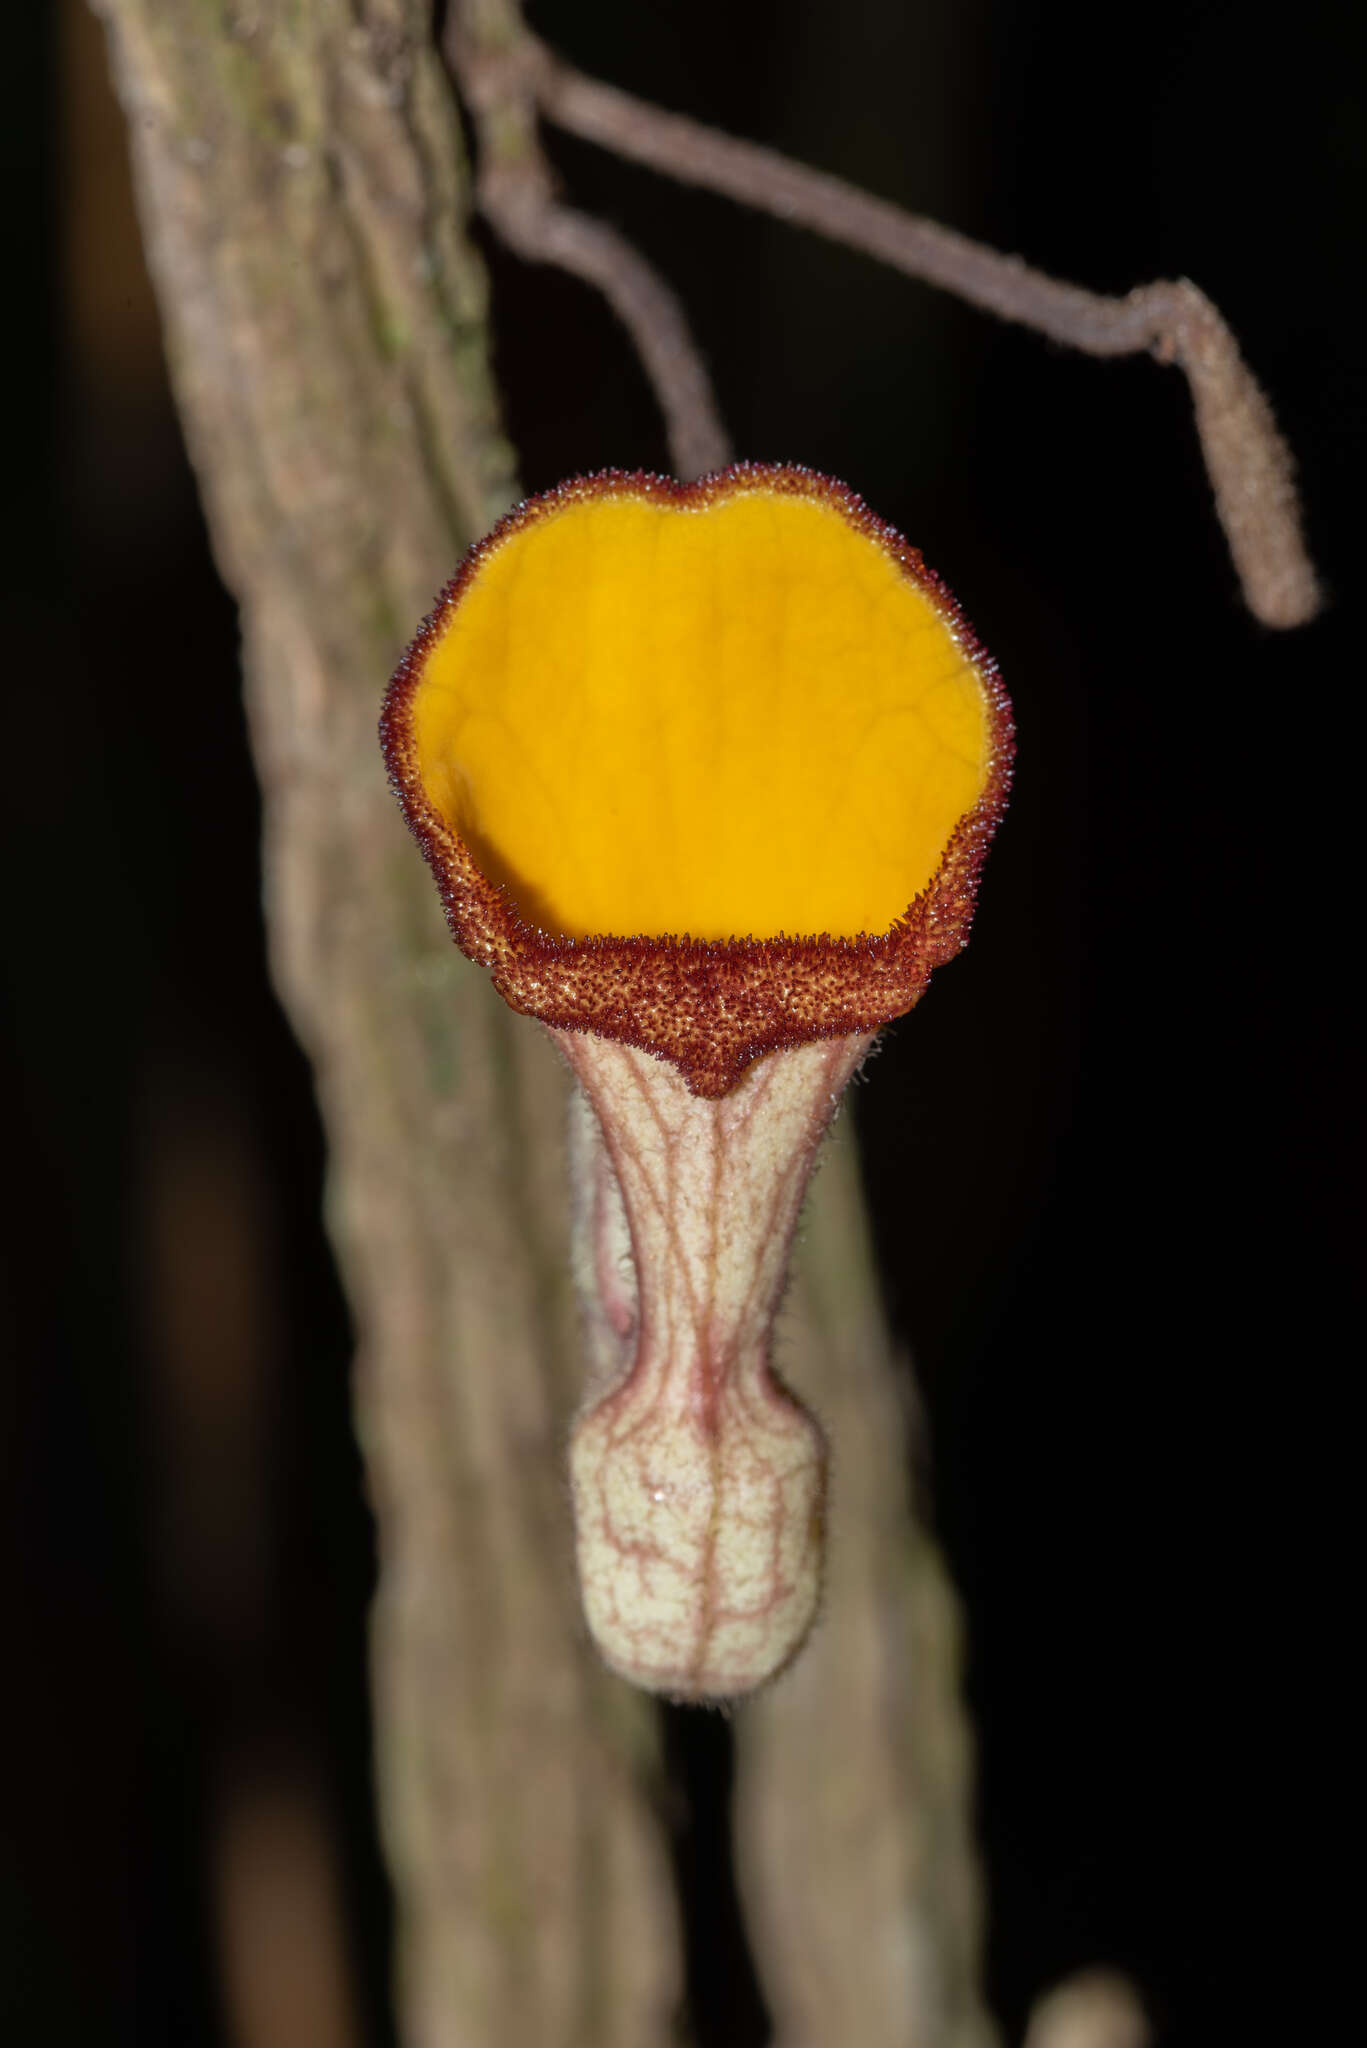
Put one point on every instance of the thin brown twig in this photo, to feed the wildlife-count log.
(543, 231)
(1249, 464)
(487, 49)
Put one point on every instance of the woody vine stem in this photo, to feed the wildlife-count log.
(510, 81)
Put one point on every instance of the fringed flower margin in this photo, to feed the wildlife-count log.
(712, 1007)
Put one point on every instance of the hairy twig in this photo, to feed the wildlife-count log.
(515, 193)
(1247, 460)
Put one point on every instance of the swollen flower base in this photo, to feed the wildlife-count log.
(706, 775)
(699, 1483)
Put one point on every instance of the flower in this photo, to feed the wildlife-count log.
(709, 768)
(706, 774)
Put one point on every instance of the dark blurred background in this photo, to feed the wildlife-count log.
(1110, 1157)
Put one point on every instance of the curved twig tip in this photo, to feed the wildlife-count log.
(509, 77)
(1248, 462)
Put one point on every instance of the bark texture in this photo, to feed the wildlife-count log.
(305, 205)
(854, 1773)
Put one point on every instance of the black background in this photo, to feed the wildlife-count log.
(1111, 1156)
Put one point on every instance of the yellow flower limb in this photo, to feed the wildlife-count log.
(736, 721)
